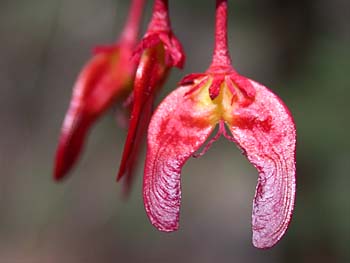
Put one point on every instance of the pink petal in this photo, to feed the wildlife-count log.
(266, 133)
(177, 129)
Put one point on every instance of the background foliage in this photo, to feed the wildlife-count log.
(300, 49)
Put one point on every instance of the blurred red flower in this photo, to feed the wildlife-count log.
(106, 79)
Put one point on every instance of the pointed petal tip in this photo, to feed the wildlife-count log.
(71, 142)
(128, 156)
(61, 166)
(59, 177)
(121, 171)
(63, 162)
(58, 174)
(119, 176)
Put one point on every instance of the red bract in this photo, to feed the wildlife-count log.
(259, 123)
(105, 79)
(158, 51)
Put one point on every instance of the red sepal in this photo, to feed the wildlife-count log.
(71, 141)
(150, 76)
(158, 51)
(77, 120)
(105, 78)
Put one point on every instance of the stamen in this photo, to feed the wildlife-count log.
(214, 89)
(197, 86)
(232, 139)
(189, 79)
(221, 57)
(231, 89)
(226, 135)
(221, 130)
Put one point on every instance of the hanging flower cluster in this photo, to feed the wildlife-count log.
(246, 112)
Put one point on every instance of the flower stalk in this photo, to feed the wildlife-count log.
(221, 56)
(131, 29)
(160, 16)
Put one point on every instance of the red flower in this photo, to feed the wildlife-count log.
(105, 79)
(259, 123)
(158, 51)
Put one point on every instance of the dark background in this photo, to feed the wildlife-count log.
(300, 49)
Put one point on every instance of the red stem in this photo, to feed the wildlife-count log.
(131, 28)
(221, 56)
(160, 17)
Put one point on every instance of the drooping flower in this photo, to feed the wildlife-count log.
(158, 51)
(256, 120)
(104, 80)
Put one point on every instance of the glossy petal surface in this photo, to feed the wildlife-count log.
(150, 75)
(177, 129)
(265, 131)
(174, 54)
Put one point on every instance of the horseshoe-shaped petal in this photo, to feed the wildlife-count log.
(177, 129)
(266, 133)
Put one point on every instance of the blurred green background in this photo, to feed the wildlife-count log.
(300, 49)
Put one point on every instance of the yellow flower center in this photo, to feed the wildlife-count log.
(221, 108)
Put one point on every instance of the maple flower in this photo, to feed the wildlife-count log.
(104, 80)
(246, 113)
(158, 52)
